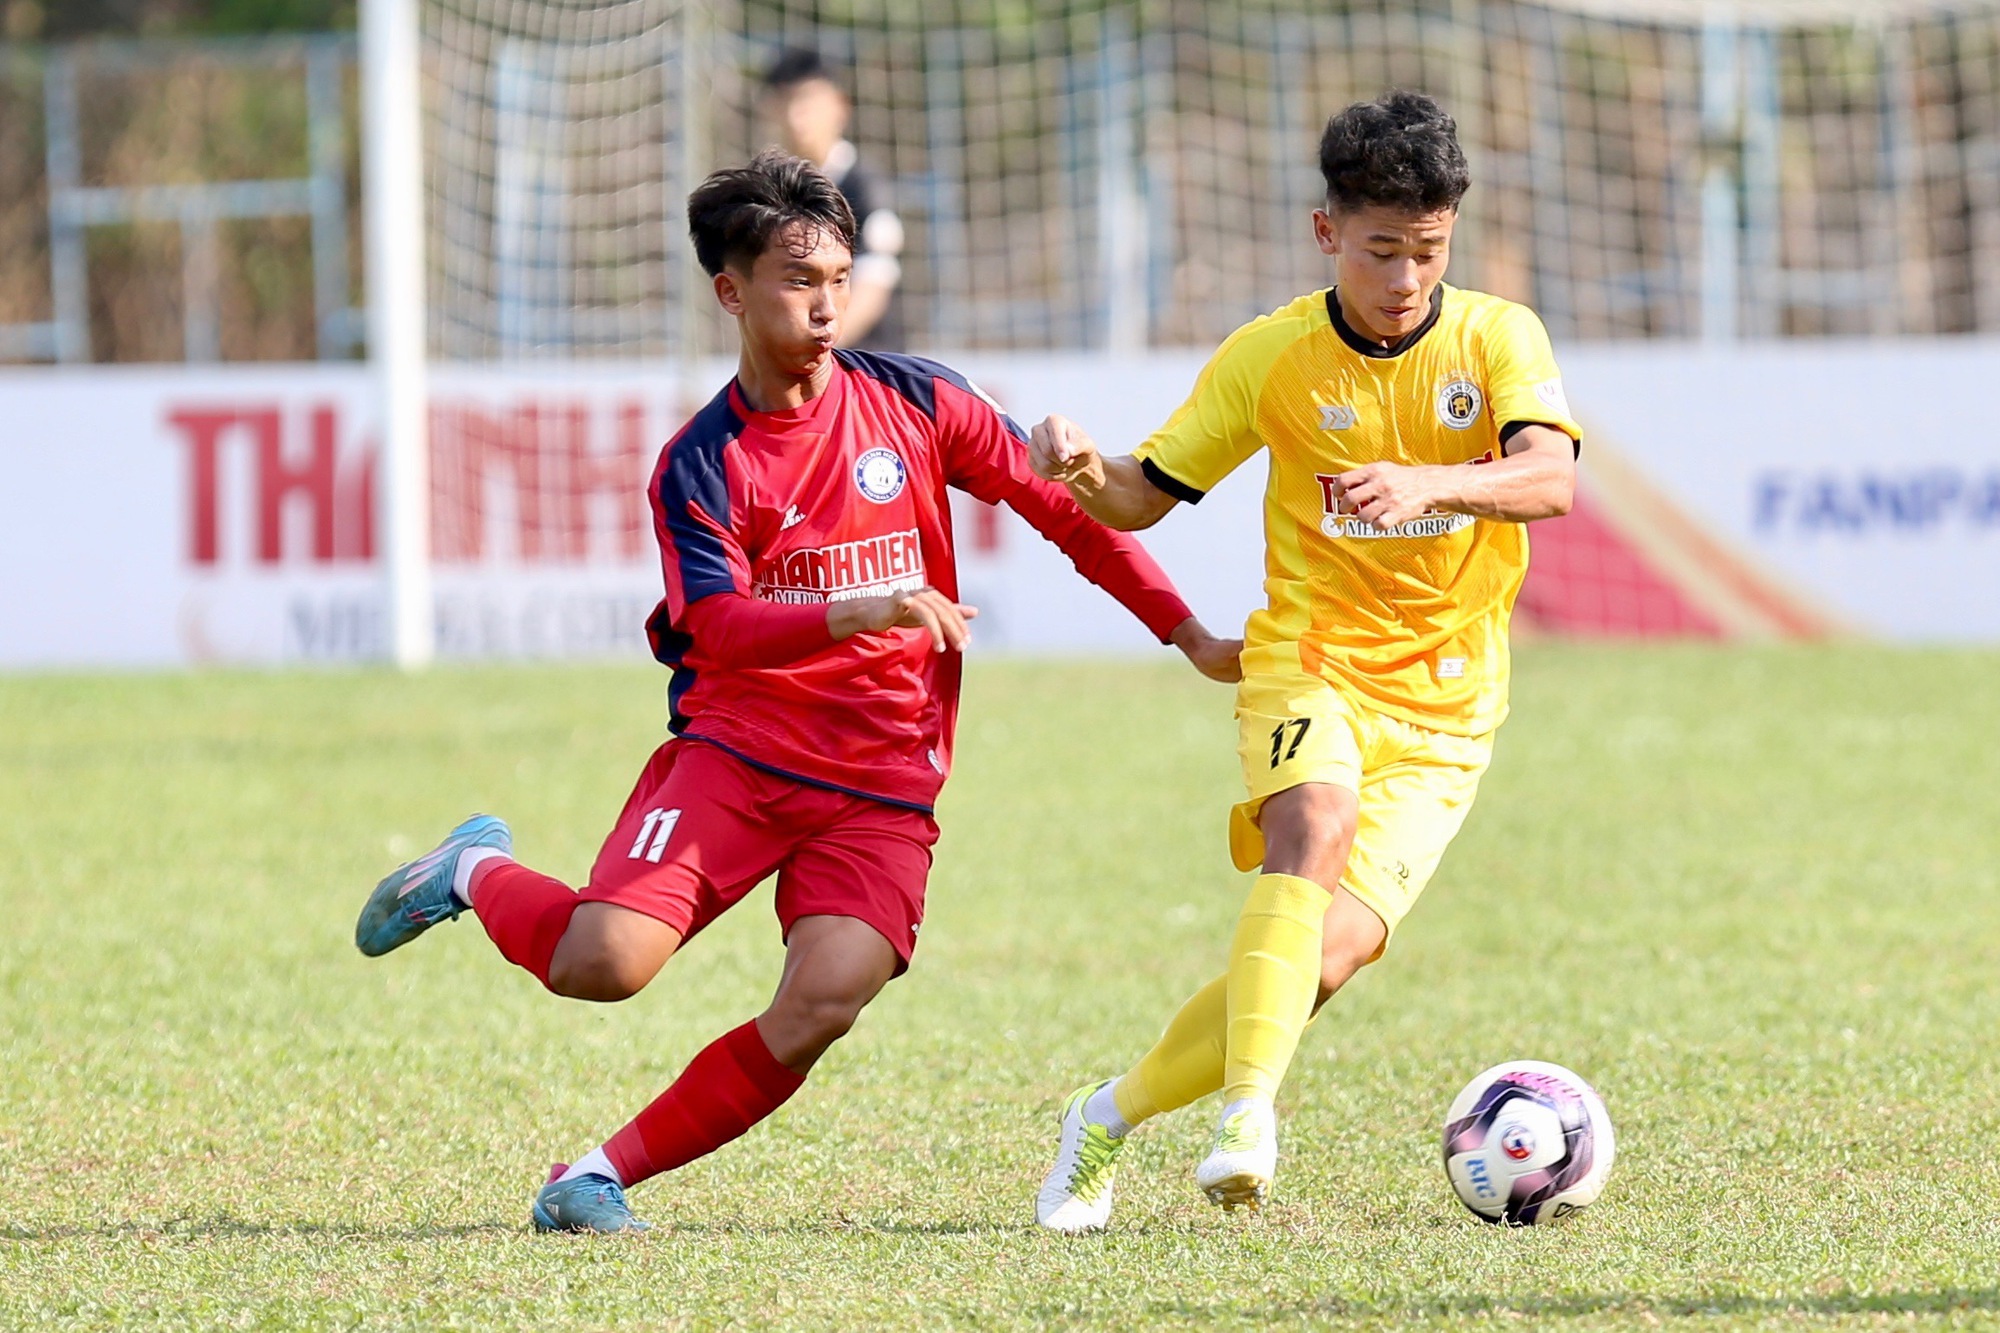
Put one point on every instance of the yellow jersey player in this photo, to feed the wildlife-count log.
(1413, 429)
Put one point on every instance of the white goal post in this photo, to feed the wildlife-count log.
(393, 226)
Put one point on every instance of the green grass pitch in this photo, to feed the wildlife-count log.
(1750, 893)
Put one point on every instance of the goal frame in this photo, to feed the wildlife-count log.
(392, 169)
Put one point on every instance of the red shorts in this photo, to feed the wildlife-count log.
(702, 828)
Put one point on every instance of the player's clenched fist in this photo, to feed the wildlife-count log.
(920, 608)
(1388, 494)
(1058, 450)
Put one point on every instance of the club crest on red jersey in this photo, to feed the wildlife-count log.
(880, 475)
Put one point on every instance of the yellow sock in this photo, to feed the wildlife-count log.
(1185, 1064)
(1273, 980)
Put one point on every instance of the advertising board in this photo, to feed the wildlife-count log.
(156, 517)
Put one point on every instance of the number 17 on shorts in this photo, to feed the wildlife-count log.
(1293, 729)
(1286, 738)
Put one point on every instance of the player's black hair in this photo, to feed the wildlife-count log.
(796, 66)
(737, 213)
(1399, 151)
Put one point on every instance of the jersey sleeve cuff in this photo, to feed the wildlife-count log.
(1513, 428)
(1166, 615)
(1173, 486)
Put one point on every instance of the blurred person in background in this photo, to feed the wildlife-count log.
(812, 110)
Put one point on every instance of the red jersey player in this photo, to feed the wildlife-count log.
(812, 622)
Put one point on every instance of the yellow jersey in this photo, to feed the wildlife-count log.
(1412, 619)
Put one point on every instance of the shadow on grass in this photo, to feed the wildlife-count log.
(225, 1227)
(182, 1228)
(1943, 1301)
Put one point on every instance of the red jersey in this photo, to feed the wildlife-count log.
(845, 497)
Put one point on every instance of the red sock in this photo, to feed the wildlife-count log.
(730, 1086)
(525, 912)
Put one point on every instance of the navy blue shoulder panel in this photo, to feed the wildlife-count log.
(693, 473)
(916, 377)
(699, 444)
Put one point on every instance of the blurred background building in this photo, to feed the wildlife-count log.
(179, 178)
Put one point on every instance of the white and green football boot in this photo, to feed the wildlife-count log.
(1076, 1194)
(1244, 1159)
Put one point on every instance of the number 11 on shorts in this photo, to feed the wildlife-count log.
(657, 827)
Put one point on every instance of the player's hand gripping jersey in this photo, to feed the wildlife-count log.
(1413, 621)
(845, 497)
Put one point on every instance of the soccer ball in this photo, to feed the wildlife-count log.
(1527, 1142)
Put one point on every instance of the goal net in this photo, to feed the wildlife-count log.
(1127, 174)
(1136, 174)
(562, 140)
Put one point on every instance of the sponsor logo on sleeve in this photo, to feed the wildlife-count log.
(1551, 394)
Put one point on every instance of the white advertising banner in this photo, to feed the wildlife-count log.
(1864, 477)
(228, 515)
(167, 516)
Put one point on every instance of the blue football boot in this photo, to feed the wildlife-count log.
(587, 1203)
(418, 895)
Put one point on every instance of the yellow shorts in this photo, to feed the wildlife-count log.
(1415, 786)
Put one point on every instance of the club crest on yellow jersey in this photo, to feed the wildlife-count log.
(1459, 401)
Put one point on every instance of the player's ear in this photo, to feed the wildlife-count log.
(729, 292)
(1326, 232)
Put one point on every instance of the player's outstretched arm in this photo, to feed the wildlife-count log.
(1114, 491)
(1121, 566)
(985, 458)
(922, 608)
(1537, 479)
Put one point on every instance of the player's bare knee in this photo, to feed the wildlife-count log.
(601, 974)
(830, 1020)
(821, 1016)
(1309, 831)
(1329, 823)
(820, 1009)
(799, 1033)
(1338, 963)
(1353, 938)
(609, 953)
